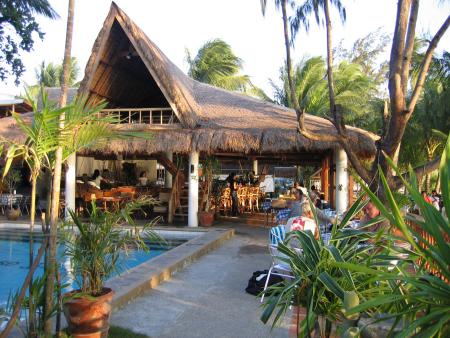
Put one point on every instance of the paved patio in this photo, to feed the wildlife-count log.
(207, 298)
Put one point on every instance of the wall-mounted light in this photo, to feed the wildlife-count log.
(129, 55)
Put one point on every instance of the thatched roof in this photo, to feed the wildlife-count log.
(128, 70)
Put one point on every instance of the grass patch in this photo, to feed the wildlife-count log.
(120, 332)
(116, 332)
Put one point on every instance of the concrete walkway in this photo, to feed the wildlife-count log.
(207, 298)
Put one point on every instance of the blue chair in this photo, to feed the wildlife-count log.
(278, 267)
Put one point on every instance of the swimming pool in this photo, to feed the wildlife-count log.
(14, 259)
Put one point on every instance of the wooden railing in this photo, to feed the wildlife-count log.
(174, 200)
(151, 116)
(428, 240)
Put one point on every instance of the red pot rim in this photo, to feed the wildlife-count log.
(107, 294)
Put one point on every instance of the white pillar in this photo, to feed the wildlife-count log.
(193, 190)
(255, 166)
(69, 191)
(340, 159)
(168, 178)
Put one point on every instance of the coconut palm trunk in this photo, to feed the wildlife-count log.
(293, 95)
(336, 115)
(51, 257)
(31, 307)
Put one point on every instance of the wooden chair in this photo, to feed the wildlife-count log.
(253, 198)
(163, 206)
(242, 195)
(225, 200)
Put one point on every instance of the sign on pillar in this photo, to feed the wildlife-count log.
(193, 189)
(340, 159)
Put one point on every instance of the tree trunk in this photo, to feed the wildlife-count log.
(32, 311)
(339, 123)
(294, 98)
(51, 260)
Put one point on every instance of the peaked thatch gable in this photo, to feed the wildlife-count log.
(213, 119)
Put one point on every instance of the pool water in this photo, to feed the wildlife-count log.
(14, 261)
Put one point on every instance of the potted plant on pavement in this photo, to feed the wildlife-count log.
(209, 169)
(97, 249)
(11, 180)
(317, 285)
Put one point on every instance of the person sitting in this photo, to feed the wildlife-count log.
(321, 203)
(297, 203)
(96, 179)
(143, 180)
(304, 222)
(370, 212)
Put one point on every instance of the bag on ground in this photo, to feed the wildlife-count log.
(258, 280)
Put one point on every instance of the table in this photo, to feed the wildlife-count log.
(10, 199)
(113, 201)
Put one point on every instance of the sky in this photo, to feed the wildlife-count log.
(175, 25)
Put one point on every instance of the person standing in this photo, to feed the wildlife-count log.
(231, 180)
(313, 194)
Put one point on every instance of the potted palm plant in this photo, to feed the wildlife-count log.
(97, 249)
(11, 179)
(209, 169)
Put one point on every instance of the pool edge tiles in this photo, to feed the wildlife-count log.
(148, 275)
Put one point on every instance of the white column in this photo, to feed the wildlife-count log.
(340, 159)
(193, 190)
(69, 191)
(255, 166)
(168, 178)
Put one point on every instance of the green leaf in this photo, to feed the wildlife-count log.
(331, 285)
(444, 172)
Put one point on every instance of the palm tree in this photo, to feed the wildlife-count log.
(83, 127)
(301, 18)
(353, 89)
(50, 75)
(217, 65)
(54, 209)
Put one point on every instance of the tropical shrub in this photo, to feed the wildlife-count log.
(95, 247)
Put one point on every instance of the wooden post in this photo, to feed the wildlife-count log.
(350, 190)
(325, 175)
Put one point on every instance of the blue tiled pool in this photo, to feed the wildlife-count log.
(14, 260)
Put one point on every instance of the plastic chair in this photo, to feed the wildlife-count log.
(278, 267)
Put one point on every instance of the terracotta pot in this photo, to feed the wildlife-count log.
(12, 214)
(206, 218)
(299, 314)
(88, 316)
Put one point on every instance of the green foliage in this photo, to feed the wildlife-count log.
(95, 247)
(50, 75)
(354, 90)
(312, 7)
(38, 296)
(318, 284)
(420, 297)
(17, 28)
(11, 178)
(217, 65)
(210, 166)
(420, 142)
(366, 52)
(120, 332)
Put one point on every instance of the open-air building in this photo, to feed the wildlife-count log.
(192, 119)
